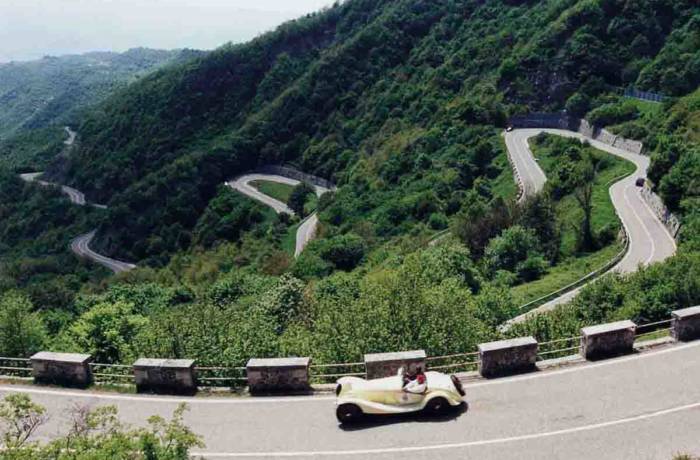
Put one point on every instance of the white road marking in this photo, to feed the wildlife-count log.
(641, 222)
(456, 445)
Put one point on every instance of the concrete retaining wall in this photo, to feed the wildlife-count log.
(607, 340)
(380, 365)
(165, 375)
(67, 369)
(296, 174)
(685, 325)
(563, 121)
(670, 221)
(278, 375)
(507, 356)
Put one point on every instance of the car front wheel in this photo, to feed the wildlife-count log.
(437, 406)
(347, 413)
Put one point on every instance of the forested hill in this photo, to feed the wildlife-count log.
(342, 92)
(36, 94)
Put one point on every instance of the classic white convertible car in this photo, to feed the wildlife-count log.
(357, 396)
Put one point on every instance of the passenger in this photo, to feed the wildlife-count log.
(416, 383)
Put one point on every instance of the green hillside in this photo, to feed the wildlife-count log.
(37, 98)
(401, 103)
(362, 91)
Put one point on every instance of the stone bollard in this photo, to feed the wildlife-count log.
(170, 376)
(506, 357)
(685, 325)
(276, 375)
(607, 340)
(380, 365)
(69, 369)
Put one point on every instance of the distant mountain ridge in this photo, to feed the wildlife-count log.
(50, 91)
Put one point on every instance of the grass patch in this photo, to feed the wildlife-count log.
(563, 274)
(280, 192)
(504, 185)
(289, 241)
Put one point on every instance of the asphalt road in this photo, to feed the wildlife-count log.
(644, 406)
(649, 241)
(307, 229)
(81, 245)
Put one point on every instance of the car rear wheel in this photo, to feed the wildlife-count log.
(437, 406)
(348, 413)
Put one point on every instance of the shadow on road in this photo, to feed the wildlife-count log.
(374, 421)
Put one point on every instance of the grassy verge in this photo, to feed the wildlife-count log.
(289, 242)
(563, 274)
(576, 265)
(504, 185)
(280, 192)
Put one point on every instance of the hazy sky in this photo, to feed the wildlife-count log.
(30, 29)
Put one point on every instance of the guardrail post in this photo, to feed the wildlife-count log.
(278, 374)
(685, 325)
(170, 376)
(606, 340)
(505, 357)
(68, 369)
(379, 365)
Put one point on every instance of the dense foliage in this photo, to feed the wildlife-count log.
(369, 93)
(52, 91)
(400, 102)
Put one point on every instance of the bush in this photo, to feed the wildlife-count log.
(345, 252)
(612, 114)
(438, 221)
(516, 250)
(297, 200)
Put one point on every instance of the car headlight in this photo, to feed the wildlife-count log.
(338, 389)
(458, 385)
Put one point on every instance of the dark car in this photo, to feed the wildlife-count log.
(640, 182)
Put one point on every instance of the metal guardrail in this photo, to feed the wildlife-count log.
(581, 281)
(15, 368)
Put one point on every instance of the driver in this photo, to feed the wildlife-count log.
(415, 383)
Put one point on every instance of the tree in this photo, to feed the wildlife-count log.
(107, 332)
(20, 418)
(584, 198)
(539, 214)
(517, 249)
(22, 332)
(345, 252)
(300, 194)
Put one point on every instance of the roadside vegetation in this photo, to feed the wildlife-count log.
(401, 103)
(95, 433)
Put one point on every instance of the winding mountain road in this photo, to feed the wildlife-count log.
(649, 240)
(645, 405)
(307, 229)
(81, 244)
(641, 406)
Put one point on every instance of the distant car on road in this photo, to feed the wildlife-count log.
(391, 395)
(509, 128)
(640, 182)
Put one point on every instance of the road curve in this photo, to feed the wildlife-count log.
(649, 240)
(81, 244)
(81, 247)
(641, 406)
(307, 229)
